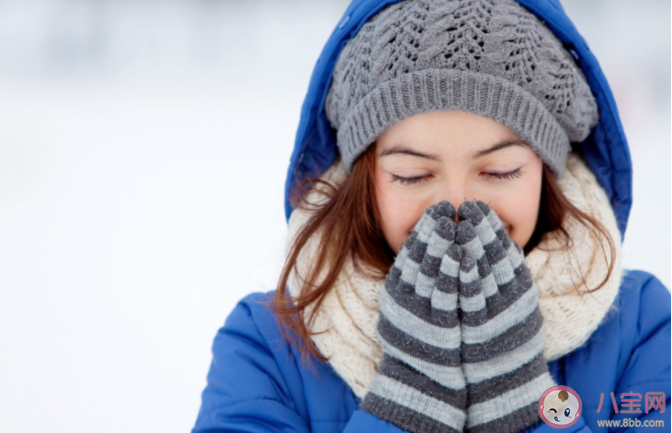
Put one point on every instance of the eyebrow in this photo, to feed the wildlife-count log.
(499, 146)
(403, 150)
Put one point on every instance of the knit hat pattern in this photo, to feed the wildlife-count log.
(488, 57)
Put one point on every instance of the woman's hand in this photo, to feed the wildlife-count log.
(420, 386)
(502, 328)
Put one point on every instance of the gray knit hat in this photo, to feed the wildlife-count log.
(488, 57)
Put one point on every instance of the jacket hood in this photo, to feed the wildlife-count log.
(605, 150)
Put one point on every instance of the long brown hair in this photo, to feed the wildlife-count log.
(348, 224)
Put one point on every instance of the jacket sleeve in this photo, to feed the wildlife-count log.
(646, 343)
(254, 384)
(246, 390)
(648, 366)
(362, 421)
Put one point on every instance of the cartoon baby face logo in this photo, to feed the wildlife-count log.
(560, 406)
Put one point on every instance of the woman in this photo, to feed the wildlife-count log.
(459, 254)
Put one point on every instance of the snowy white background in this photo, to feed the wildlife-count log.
(143, 152)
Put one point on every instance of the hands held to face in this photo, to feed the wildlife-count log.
(460, 328)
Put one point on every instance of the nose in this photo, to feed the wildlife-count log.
(456, 192)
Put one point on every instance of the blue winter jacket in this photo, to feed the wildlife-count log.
(258, 383)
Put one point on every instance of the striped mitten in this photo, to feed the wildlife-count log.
(420, 386)
(502, 328)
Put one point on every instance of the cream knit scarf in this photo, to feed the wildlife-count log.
(346, 322)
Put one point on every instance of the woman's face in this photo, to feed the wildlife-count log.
(455, 156)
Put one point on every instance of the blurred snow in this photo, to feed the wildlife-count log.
(632, 42)
(143, 151)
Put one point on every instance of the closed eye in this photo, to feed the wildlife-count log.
(505, 176)
(409, 180)
(551, 409)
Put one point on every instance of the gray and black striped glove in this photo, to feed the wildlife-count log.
(420, 386)
(503, 332)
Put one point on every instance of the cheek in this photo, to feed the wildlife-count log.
(519, 210)
(398, 213)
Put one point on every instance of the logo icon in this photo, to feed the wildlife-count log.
(560, 406)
